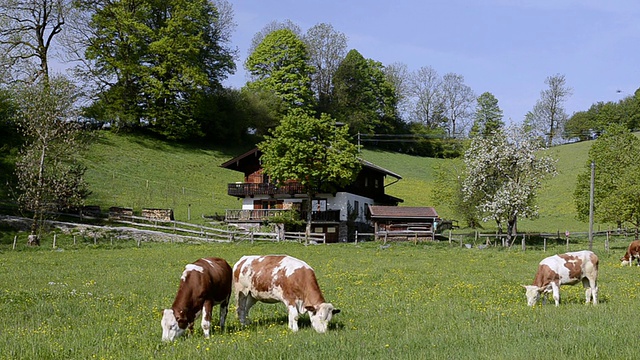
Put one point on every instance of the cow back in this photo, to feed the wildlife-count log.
(277, 278)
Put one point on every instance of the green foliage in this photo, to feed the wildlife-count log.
(49, 175)
(279, 64)
(98, 302)
(616, 188)
(584, 124)
(311, 151)
(362, 96)
(488, 116)
(159, 58)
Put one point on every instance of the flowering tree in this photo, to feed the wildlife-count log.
(503, 173)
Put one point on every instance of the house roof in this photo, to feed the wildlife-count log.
(234, 164)
(402, 212)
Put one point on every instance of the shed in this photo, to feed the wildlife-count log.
(404, 220)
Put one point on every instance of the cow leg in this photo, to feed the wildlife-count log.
(556, 293)
(206, 318)
(224, 309)
(245, 302)
(241, 304)
(293, 317)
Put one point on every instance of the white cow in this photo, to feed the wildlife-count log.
(569, 269)
(281, 278)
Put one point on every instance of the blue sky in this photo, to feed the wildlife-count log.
(504, 47)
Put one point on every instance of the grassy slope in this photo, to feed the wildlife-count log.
(142, 172)
(137, 172)
(557, 211)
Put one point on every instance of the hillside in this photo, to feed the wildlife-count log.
(137, 172)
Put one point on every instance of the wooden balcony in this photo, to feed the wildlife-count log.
(264, 214)
(251, 189)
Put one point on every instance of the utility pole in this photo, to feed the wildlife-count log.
(593, 175)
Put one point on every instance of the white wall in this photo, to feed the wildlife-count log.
(339, 202)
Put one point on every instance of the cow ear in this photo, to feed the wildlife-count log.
(311, 309)
(335, 311)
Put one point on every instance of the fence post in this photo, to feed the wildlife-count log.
(54, 240)
(606, 243)
(356, 236)
(523, 242)
(567, 242)
(544, 248)
(74, 240)
(15, 239)
(449, 237)
(95, 239)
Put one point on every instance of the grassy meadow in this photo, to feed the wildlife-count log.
(425, 301)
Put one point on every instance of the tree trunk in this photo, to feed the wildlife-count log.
(37, 211)
(511, 230)
(307, 232)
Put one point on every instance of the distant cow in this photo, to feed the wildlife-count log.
(569, 268)
(281, 278)
(204, 283)
(633, 252)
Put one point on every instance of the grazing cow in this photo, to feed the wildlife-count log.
(281, 278)
(633, 252)
(204, 283)
(569, 268)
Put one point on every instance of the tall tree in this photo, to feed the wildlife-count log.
(428, 102)
(271, 27)
(548, 115)
(280, 64)
(458, 99)
(400, 78)
(28, 29)
(488, 116)
(363, 97)
(49, 176)
(327, 47)
(616, 187)
(155, 60)
(503, 174)
(311, 151)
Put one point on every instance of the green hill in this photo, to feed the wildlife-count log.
(136, 171)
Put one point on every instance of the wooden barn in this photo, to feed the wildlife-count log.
(404, 221)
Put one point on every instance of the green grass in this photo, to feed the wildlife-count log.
(429, 301)
(143, 172)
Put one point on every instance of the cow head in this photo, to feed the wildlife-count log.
(321, 315)
(172, 326)
(533, 294)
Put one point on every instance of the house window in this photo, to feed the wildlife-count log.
(356, 208)
(331, 230)
(376, 183)
(366, 182)
(318, 230)
(319, 205)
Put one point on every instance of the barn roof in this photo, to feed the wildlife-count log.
(250, 156)
(402, 212)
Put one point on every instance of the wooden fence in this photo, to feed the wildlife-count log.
(207, 233)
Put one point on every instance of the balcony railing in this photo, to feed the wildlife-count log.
(265, 214)
(250, 189)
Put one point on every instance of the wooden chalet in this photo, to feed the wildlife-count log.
(262, 199)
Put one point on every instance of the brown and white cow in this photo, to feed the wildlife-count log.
(565, 269)
(633, 252)
(204, 283)
(281, 278)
